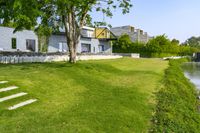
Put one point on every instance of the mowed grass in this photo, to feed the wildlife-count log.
(112, 96)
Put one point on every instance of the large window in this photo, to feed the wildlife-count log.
(62, 47)
(14, 43)
(30, 45)
(101, 48)
(85, 48)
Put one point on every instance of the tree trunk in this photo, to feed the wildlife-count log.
(72, 51)
(69, 33)
(73, 34)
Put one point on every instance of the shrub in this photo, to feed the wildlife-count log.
(159, 46)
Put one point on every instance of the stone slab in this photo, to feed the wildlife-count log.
(12, 96)
(8, 88)
(3, 82)
(22, 104)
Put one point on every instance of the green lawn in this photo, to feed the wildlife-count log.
(88, 97)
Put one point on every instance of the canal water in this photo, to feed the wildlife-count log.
(192, 72)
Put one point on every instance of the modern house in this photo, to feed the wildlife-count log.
(136, 35)
(89, 42)
(25, 41)
(92, 41)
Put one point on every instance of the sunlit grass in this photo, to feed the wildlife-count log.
(90, 96)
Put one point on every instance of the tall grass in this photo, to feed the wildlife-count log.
(176, 109)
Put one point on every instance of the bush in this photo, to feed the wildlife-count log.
(159, 46)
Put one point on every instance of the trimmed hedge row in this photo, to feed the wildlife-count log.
(176, 109)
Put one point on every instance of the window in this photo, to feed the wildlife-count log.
(14, 43)
(101, 48)
(132, 29)
(85, 48)
(94, 49)
(62, 47)
(30, 45)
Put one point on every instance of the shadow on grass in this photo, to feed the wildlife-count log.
(105, 107)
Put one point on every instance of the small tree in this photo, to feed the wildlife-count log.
(70, 14)
(123, 44)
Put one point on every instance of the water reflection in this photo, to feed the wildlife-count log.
(192, 71)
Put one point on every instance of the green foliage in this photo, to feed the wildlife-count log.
(159, 46)
(25, 13)
(176, 109)
(193, 42)
(43, 33)
(187, 50)
(124, 42)
(175, 42)
(71, 15)
(125, 45)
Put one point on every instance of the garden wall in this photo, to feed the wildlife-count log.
(14, 59)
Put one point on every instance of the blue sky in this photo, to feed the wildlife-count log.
(178, 19)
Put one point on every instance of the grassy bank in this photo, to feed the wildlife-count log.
(90, 96)
(177, 104)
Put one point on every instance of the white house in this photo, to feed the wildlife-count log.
(88, 43)
(25, 41)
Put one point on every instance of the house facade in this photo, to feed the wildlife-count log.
(136, 35)
(88, 43)
(25, 41)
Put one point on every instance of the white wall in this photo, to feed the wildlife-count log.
(54, 41)
(6, 35)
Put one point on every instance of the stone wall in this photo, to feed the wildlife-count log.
(132, 55)
(51, 58)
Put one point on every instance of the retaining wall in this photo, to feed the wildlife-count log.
(51, 58)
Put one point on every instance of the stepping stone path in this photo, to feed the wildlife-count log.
(22, 104)
(14, 96)
(8, 88)
(3, 82)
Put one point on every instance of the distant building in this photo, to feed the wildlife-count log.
(136, 35)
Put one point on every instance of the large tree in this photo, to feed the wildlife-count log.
(50, 15)
(193, 42)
